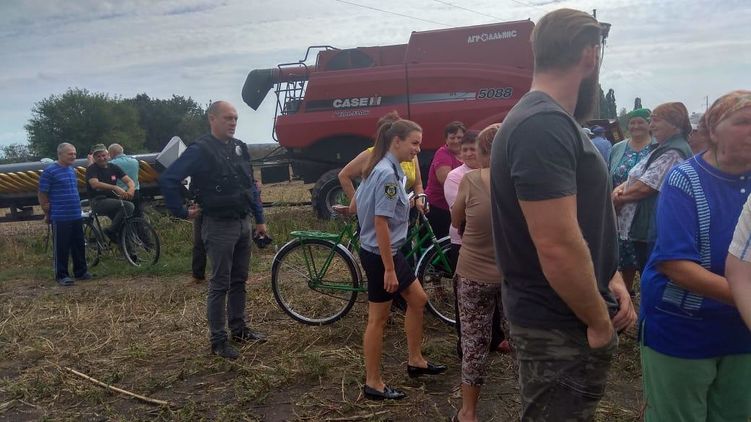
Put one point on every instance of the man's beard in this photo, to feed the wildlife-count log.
(588, 96)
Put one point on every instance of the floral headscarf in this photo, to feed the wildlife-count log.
(676, 114)
(722, 108)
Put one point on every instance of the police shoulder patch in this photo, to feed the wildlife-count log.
(390, 190)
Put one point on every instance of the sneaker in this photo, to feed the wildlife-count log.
(86, 276)
(65, 281)
(198, 280)
(225, 350)
(248, 335)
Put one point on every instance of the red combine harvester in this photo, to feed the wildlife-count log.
(326, 112)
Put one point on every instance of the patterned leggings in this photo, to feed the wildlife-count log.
(477, 301)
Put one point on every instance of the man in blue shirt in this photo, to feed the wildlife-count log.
(601, 143)
(221, 177)
(130, 166)
(59, 199)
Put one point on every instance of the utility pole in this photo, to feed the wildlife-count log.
(706, 103)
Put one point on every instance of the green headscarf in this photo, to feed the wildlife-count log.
(644, 113)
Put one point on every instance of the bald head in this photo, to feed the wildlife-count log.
(115, 150)
(223, 120)
(216, 107)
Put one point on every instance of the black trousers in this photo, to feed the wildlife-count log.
(643, 251)
(67, 241)
(137, 204)
(115, 209)
(198, 264)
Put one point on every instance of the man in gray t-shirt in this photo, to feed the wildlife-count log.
(554, 228)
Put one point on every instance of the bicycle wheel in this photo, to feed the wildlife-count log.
(307, 293)
(139, 242)
(437, 279)
(91, 238)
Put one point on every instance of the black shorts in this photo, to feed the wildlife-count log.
(373, 266)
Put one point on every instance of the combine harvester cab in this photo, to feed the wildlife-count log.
(326, 112)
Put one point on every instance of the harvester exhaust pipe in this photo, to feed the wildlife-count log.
(260, 81)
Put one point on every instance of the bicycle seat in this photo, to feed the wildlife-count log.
(318, 235)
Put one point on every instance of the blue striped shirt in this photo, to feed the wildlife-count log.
(697, 210)
(61, 186)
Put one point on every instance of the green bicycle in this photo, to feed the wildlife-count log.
(325, 263)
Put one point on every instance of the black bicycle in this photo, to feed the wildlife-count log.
(136, 239)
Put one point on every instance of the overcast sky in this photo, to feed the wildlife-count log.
(660, 50)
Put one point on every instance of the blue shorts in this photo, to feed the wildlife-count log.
(373, 266)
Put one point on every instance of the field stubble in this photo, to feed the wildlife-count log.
(144, 330)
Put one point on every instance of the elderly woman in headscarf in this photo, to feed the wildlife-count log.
(623, 157)
(636, 199)
(695, 348)
(698, 137)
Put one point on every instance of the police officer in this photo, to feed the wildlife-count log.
(383, 212)
(219, 167)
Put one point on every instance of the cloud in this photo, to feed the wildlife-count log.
(679, 49)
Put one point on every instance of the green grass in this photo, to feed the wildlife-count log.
(27, 254)
(144, 330)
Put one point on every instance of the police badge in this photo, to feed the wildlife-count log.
(238, 151)
(390, 189)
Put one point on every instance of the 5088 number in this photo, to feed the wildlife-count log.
(490, 93)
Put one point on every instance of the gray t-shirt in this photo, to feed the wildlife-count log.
(382, 193)
(541, 153)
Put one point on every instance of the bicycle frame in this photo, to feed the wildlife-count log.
(419, 246)
(93, 216)
(316, 280)
(420, 236)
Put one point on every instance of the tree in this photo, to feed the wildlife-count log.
(15, 153)
(612, 109)
(608, 109)
(83, 119)
(623, 121)
(163, 119)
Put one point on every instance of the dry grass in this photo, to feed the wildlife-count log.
(146, 333)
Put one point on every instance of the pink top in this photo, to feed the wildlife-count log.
(450, 189)
(434, 191)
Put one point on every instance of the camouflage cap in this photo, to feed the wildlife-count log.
(98, 148)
